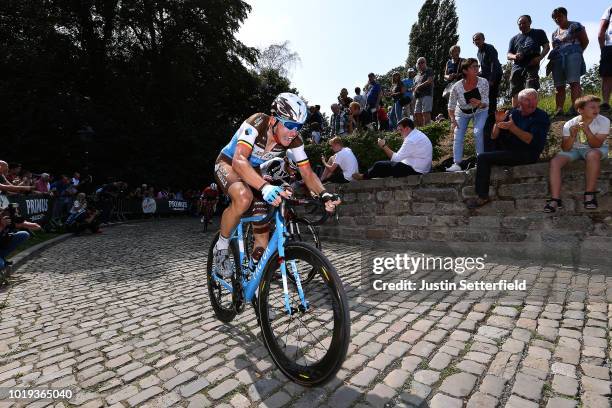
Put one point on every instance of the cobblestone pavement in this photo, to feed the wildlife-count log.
(123, 318)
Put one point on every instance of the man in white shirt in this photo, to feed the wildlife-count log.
(413, 157)
(359, 98)
(342, 165)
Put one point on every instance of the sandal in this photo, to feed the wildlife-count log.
(592, 203)
(550, 208)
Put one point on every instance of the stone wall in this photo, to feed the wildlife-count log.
(427, 213)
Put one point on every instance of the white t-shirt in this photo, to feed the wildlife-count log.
(606, 16)
(347, 162)
(361, 99)
(599, 126)
(416, 152)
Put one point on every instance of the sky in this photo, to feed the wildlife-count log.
(339, 42)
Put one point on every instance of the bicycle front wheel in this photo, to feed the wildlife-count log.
(309, 344)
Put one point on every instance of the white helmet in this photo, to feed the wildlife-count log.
(289, 107)
(213, 186)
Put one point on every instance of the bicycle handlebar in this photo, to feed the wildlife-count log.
(295, 202)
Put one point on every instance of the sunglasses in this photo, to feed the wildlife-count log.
(290, 125)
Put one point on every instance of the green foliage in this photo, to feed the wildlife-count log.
(162, 85)
(364, 144)
(431, 37)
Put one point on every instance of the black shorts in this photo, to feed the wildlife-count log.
(524, 78)
(605, 63)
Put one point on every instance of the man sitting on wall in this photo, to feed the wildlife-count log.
(413, 157)
(340, 166)
(520, 136)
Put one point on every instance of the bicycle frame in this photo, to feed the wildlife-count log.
(276, 242)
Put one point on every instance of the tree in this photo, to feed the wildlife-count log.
(431, 37)
(277, 57)
(161, 84)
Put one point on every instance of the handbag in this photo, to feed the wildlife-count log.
(449, 87)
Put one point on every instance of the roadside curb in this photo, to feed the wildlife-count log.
(28, 253)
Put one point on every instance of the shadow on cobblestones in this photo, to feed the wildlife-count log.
(123, 319)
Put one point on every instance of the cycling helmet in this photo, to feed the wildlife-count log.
(290, 161)
(288, 107)
(213, 186)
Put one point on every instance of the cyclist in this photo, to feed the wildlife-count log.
(260, 138)
(208, 199)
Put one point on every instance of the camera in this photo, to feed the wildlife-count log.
(12, 211)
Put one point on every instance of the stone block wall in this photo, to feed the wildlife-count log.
(427, 213)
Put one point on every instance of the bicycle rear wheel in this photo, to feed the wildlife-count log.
(221, 299)
(308, 345)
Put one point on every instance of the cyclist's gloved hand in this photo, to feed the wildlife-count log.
(330, 200)
(270, 193)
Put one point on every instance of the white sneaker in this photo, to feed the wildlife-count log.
(454, 168)
(202, 220)
(223, 263)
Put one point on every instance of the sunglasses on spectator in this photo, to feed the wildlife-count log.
(290, 125)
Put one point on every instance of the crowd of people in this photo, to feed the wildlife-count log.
(512, 136)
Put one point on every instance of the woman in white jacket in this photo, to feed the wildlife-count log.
(469, 99)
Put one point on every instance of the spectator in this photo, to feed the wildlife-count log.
(314, 115)
(361, 99)
(10, 238)
(13, 173)
(7, 187)
(338, 121)
(342, 165)
(521, 136)
(452, 73)
(423, 92)
(383, 117)
(42, 184)
(78, 207)
(26, 178)
(468, 100)
(585, 137)
(524, 52)
(397, 94)
(357, 118)
(76, 179)
(373, 96)
(344, 100)
(315, 132)
(490, 68)
(569, 41)
(413, 157)
(605, 63)
(408, 94)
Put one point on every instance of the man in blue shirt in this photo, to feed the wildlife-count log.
(373, 96)
(521, 136)
(524, 52)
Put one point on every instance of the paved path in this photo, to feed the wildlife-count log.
(123, 318)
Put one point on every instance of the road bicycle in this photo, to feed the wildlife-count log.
(299, 228)
(305, 327)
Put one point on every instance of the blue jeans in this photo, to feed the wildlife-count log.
(16, 239)
(396, 114)
(462, 123)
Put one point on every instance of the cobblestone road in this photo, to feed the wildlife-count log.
(123, 318)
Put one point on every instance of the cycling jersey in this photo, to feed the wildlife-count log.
(210, 194)
(276, 171)
(253, 133)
